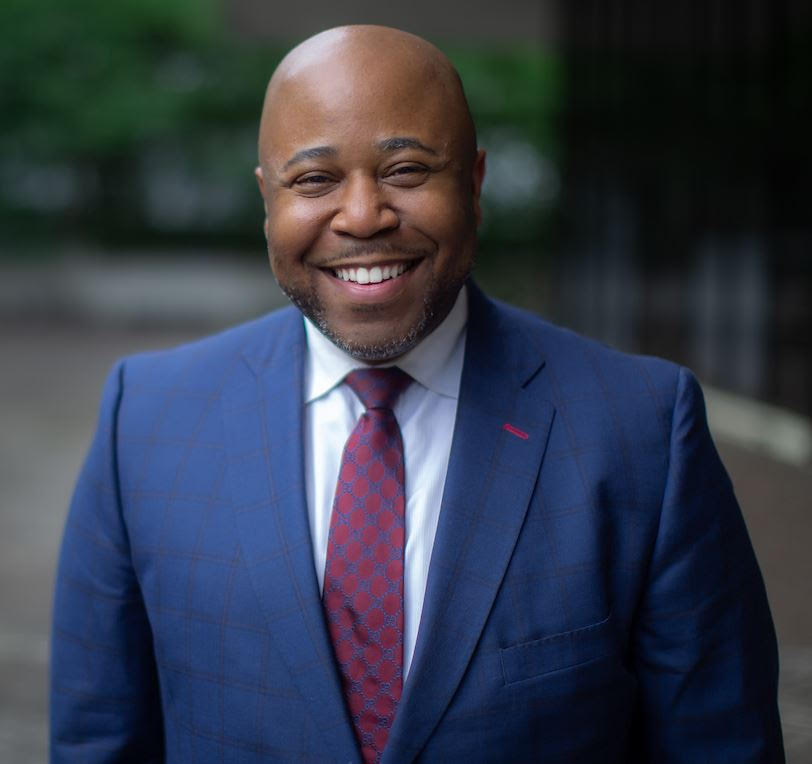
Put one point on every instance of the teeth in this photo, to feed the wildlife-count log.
(374, 275)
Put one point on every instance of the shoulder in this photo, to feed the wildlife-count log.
(203, 363)
(576, 362)
(618, 402)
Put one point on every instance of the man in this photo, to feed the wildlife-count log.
(527, 550)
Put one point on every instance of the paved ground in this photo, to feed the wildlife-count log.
(48, 396)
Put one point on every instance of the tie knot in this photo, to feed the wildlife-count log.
(378, 388)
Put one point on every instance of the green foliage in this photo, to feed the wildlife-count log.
(518, 86)
(90, 77)
(98, 89)
(515, 97)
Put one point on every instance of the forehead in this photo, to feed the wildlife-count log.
(339, 104)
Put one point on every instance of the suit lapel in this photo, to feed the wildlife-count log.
(491, 476)
(263, 420)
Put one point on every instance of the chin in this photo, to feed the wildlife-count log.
(377, 351)
(437, 303)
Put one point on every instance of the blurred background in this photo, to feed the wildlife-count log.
(648, 184)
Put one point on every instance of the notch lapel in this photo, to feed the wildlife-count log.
(491, 476)
(264, 424)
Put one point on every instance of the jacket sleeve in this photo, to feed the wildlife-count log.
(105, 702)
(704, 642)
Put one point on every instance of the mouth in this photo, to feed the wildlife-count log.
(373, 275)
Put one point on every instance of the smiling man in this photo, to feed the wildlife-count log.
(371, 187)
(403, 521)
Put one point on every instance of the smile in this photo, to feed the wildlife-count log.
(374, 275)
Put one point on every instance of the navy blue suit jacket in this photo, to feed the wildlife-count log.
(592, 596)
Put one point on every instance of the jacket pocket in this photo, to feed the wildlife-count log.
(556, 652)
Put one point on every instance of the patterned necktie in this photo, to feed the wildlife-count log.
(363, 578)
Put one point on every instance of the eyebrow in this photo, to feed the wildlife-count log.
(316, 152)
(388, 144)
(397, 143)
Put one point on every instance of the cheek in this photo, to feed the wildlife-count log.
(443, 217)
(292, 229)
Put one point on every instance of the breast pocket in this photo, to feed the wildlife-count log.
(556, 652)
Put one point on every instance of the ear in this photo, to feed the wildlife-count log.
(261, 183)
(477, 176)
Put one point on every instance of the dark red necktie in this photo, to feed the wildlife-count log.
(363, 578)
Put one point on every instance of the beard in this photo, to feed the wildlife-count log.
(438, 300)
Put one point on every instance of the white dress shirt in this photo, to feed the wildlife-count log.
(426, 412)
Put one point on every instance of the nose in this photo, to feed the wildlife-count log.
(364, 209)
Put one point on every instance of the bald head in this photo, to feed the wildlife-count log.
(362, 43)
(368, 62)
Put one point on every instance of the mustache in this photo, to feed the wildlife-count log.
(379, 248)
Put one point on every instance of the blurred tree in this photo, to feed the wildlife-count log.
(89, 85)
(90, 78)
(135, 122)
(515, 96)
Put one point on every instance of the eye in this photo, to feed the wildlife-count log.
(407, 174)
(313, 183)
(406, 169)
(315, 179)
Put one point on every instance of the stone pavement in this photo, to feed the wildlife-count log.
(49, 389)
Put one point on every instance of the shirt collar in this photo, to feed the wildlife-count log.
(435, 362)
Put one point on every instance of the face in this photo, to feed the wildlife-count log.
(371, 194)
